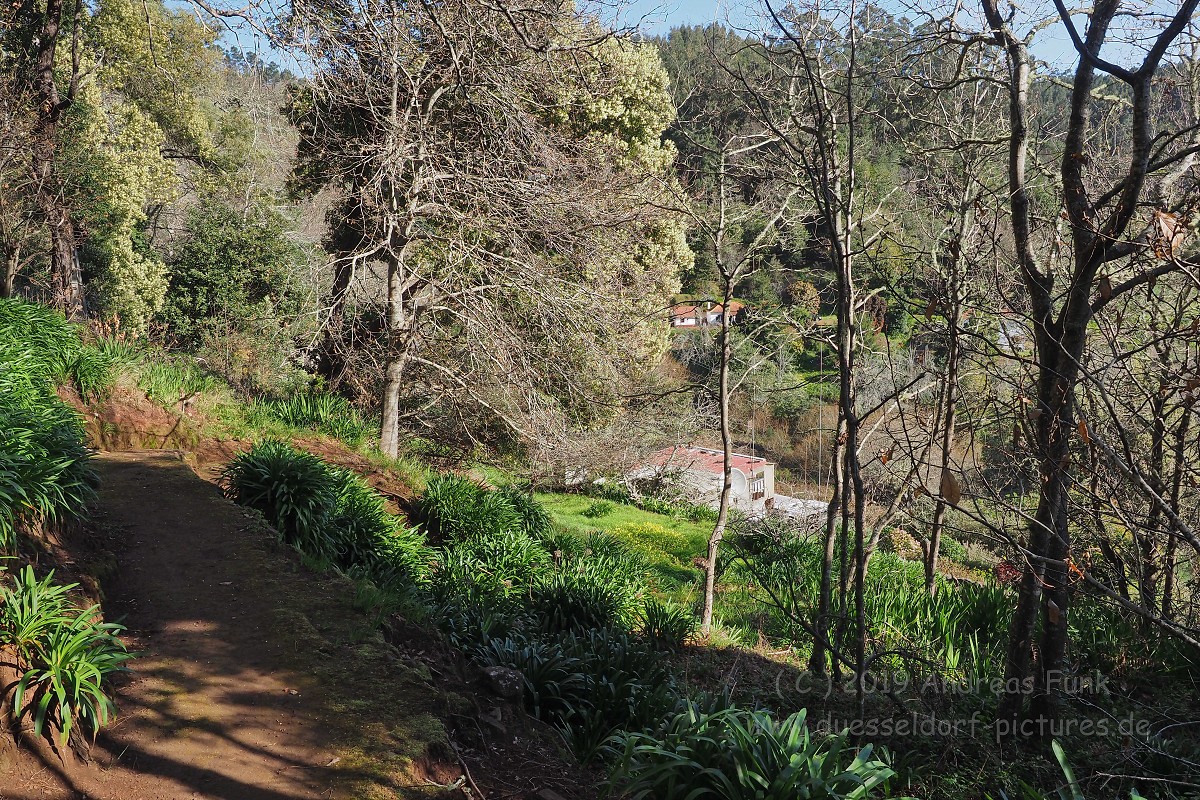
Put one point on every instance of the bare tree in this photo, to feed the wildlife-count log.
(815, 103)
(1067, 287)
(19, 232)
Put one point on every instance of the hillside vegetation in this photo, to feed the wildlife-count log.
(799, 405)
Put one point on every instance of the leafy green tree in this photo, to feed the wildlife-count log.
(116, 100)
(234, 269)
(113, 168)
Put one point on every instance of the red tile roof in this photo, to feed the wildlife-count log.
(704, 459)
(688, 309)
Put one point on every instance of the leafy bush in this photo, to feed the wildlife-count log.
(41, 350)
(44, 471)
(294, 490)
(470, 624)
(667, 626)
(590, 683)
(63, 655)
(901, 543)
(579, 600)
(961, 626)
(598, 509)
(513, 557)
(676, 508)
(554, 680)
(734, 754)
(234, 268)
(456, 508)
(328, 514)
(533, 517)
(30, 610)
(952, 549)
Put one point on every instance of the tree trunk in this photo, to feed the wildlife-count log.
(714, 541)
(389, 435)
(66, 276)
(1146, 539)
(823, 614)
(949, 405)
(1179, 468)
(12, 261)
(1050, 538)
(400, 320)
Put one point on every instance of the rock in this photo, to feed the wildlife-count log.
(505, 682)
(495, 718)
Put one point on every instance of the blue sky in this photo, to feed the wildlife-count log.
(662, 15)
(659, 16)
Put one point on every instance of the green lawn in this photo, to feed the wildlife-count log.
(668, 544)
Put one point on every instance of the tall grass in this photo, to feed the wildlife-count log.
(169, 382)
(326, 413)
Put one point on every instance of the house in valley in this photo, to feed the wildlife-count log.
(698, 472)
(704, 314)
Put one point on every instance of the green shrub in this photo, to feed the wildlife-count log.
(609, 555)
(513, 557)
(237, 274)
(598, 509)
(44, 470)
(952, 549)
(589, 683)
(579, 600)
(533, 517)
(594, 585)
(554, 680)
(30, 610)
(330, 515)
(42, 350)
(469, 623)
(665, 625)
(63, 656)
(734, 754)
(294, 490)
(456, 508)
(117, 349)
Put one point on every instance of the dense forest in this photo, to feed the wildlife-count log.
(951, 297)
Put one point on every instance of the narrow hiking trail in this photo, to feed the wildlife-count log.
(255, 679)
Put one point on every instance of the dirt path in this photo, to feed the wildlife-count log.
(257, 679)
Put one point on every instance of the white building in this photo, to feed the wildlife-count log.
(699, 472)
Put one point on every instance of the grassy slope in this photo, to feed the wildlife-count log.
(668, 544)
